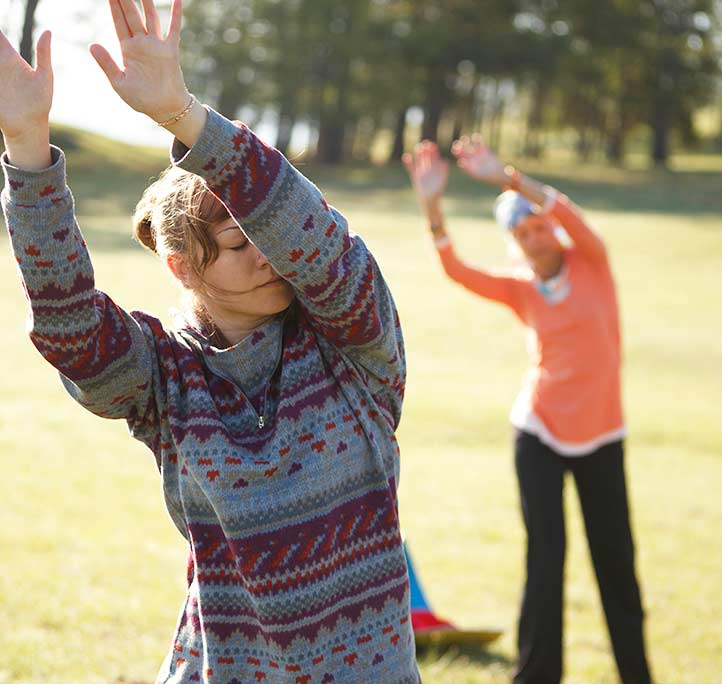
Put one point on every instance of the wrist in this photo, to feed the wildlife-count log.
(432, 207)
(437, 226)
(30, 149)
(512, 178)
(189, 127)
(174, 107)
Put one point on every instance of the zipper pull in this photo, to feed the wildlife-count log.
(261, 423)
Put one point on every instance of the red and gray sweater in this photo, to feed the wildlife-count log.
(296, 568)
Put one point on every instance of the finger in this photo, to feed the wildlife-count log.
(121, 25)
(42, 53)
(106, 63)
(5, 44)
(176, 19)
(478, 141)
(408, 162)
(152, 21)
(132, 16)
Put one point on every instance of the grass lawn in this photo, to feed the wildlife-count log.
(93, 572)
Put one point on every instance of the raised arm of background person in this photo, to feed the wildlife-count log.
(479, 162)
(428, 173)
(99, 349)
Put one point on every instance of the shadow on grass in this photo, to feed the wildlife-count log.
(427, 655)
(598, 188)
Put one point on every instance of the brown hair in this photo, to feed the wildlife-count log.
(174, 216)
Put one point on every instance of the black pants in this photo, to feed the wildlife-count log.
(602, 492)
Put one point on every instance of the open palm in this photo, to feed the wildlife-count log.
(26, 93)
(477, 160)
(428, 172)
(151, 80)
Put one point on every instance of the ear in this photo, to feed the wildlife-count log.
(179, 267)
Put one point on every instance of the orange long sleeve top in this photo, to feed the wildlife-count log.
(571, 396)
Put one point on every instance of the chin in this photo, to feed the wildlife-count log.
(281, 302)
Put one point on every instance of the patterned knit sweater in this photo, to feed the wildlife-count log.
(296, 572)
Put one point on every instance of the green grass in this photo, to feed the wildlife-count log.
(93, 570)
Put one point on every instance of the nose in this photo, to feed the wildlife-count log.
(261, 259)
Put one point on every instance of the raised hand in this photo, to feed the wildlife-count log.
(26, 96)
(27, 93)
(151, 80)
(428, 172)
(478, 161)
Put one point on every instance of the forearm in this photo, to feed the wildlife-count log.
(563, 210)
(435, 217)
(95, 345)
(533, 190)
(54, 265)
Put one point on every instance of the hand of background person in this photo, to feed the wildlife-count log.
(428, 172)
(151, 80)
(25, 102)
(478, 161)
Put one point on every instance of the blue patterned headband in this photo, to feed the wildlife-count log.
(511, 208)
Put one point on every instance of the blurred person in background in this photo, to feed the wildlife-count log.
(568, 415)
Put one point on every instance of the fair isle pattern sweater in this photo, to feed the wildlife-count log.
(296, 572)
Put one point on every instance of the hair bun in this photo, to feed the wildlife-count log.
(143, 228)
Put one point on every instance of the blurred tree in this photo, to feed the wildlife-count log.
(351, 70)
(26, 39)
(681, 65)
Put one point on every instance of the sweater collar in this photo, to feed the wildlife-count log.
(250, 363)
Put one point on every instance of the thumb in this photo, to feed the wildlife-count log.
(106, 63)
(42, 53)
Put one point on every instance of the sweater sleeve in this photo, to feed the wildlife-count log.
(502, 289)
(335, 277)
(101, 352)
(587, 240)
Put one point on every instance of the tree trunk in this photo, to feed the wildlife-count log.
(332, 142)
(533, 144)
(286, 121)
(497, 120)
(583, 145)
(660, 138)
(229, 100)
(26, 42)
(332, 127)
(399, 135)
(433, 105)
(615, 146)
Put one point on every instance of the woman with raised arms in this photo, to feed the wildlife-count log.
(270, 409)
(568, 415)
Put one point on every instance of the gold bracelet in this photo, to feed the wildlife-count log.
(182, 115)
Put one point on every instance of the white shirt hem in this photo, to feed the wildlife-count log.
(532, 423)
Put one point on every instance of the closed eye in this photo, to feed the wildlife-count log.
(238, 248)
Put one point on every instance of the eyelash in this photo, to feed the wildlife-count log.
(238, 248)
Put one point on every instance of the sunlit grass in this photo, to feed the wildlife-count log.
(93, 570)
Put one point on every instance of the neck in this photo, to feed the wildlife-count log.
(230, 330)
